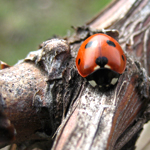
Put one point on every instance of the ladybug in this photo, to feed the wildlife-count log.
(101, 60)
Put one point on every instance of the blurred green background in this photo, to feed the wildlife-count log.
(26, 24)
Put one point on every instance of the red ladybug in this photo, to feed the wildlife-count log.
(101, 60)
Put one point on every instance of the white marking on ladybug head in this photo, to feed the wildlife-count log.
(107, 66)
(100, 86)
(97, 67)
(107, 85)
(93, 83)
(114, 81)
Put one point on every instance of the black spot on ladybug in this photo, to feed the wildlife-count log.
(101, 61)
(111, 43)
(123, 57)
(79, 61)
(89, 44)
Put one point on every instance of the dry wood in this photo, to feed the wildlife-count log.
(48, 102)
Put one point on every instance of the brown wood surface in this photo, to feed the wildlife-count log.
(51, 107)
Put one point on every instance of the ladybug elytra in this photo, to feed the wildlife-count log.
(101, 60)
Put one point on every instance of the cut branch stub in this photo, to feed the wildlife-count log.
(32, 92)
(18, 87)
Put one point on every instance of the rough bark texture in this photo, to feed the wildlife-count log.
(50, 106)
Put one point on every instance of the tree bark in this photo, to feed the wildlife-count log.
(51, 106)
